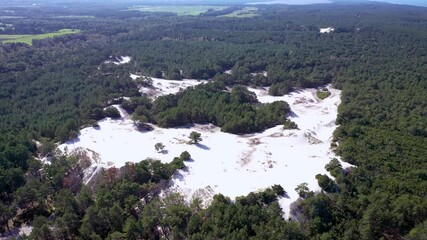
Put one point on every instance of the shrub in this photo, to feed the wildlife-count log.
(112, 112)
(322, 94)
(195, 137)
(159, 147)
(185, 156)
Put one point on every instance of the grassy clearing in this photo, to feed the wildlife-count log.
(246, 12)
(7, 36)
(28, 39)
(322, 94)
(179, 10)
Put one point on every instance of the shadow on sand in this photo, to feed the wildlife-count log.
(202, 146)
(73, 141)
(294, 115)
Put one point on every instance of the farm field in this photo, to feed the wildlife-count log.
(28, 39)
(246, 12)
(179, 10)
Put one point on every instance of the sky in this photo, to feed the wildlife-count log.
(409, 2)
(297, 2)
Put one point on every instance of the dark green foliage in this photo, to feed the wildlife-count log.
(112, 112)
(159, 147)
(195, 137)
(280, 89)
(185, 156)
(278, 190)
(255, 216)
(419, 232)
(322, 94)
(303, 190)
(288, 124)
(327, 184)
(117, 211)
(139, 107)
(236, 112)
(178, 163)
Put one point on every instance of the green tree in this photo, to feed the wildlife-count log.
(303, 190)
(327, 184)
(159, 147)
(185, 156)
(112, 112)
(278, 190)
(195, 137)
(6, 213)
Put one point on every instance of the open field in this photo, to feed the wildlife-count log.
(246, 12)
(8, 36)
(179, 10)
(28, 39)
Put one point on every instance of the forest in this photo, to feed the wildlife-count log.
(236, 112)
(377, 56)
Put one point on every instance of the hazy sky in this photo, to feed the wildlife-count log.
(410, 2)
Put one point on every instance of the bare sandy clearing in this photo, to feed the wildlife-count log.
(118, 60)
(162, 87)
(226, 163)
(326, 30)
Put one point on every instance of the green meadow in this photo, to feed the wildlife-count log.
(179, 10)
(246, 12)
(28, 39)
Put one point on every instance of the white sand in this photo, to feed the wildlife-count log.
(25, 230)
(263, 73)
(119, 60)
(16, 233)
(226, 163)
(163, 87)
(326, 30)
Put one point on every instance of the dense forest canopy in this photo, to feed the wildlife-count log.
(377, 56)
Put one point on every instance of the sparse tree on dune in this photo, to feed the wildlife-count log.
(159, 147)
(195, 137)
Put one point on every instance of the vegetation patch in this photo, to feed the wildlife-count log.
(323, 93)
(246, 12)
(28, 39)
(8, 37)
(179, 10)
(238, 112)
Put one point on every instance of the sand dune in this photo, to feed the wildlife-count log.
(225, 163)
